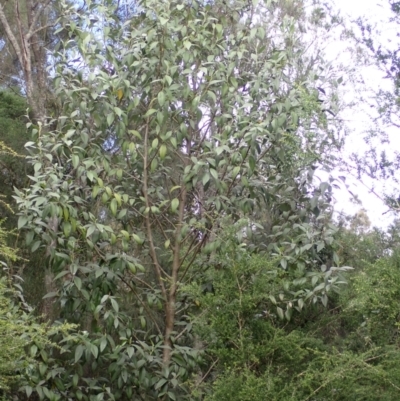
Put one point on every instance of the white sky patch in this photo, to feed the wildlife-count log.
(358, 119)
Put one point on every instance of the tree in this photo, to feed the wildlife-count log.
(378, 163)
(180, 121)
(27, 34)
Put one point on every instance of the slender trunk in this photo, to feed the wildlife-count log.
(176, 264)
(31, 57)
(39, 61)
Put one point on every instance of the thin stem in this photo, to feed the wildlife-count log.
(153, 253)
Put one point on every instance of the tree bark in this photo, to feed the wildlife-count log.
(31, 56)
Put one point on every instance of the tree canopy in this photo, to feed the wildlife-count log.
(175, 205)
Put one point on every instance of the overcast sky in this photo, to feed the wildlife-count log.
(378, 12)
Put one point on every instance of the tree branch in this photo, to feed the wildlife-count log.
(35, 18)
(10, 35)
(153, 253)
(40, 29)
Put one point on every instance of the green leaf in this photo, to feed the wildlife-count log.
(35, 246)
(135, 133)
(130, 351)
(273, 299)
(160, 383)
(131, 267)
(137, 239)
(122, 214)
(67, 227)
(161, 98)
(252, 163)
(336, 258)
(48, 393)
(300, 302)
(78, 282)
(140, 267)
(78, 352)
(75, 160)
(154, 164)
(115, 305)
(314, 280)
(37, 167)
(174, 205)
(214, 173)
(110, 118)
(29, 237)
(95, 191)
(235, 171)
(288, 314)
(114, 207)
(99, 397)
(280, 312)
(150, 112)
(22, 220)
(94, 350)
(163, 151)
(90, 230)
(28, 390)
(125, 234)
(34, 350)
(206, 178)
(103, 344)
(50, 295)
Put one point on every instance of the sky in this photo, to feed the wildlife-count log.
(357, 119)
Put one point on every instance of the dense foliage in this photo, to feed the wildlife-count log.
(175, 217)
(13, 108)
(346, 351)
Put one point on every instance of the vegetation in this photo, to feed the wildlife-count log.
(22, 337)
(322, 353)
(171, 211)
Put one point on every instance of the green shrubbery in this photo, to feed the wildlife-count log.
(322, 354)
(24, 342)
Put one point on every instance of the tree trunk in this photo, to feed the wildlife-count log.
(29, 52)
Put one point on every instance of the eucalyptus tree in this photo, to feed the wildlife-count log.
(27, 35)
(181, 120)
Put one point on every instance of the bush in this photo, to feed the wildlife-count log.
(258, 356)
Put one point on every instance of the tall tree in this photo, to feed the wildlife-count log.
(27, 33)
(181, 120)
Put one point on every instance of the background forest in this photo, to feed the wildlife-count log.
(168, 231)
